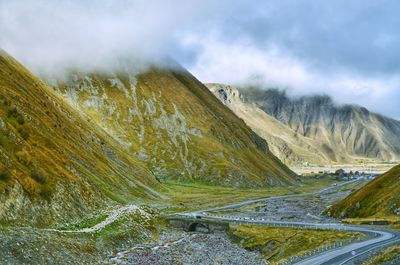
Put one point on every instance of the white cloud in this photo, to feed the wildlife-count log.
(53, 35)
(243, 63)
(350, 53)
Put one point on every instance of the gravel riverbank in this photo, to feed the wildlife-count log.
(176, 247)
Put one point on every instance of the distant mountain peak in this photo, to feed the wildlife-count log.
(340, 133)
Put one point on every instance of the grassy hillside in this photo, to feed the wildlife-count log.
(54, 165)
(379, 198)
(174, 125)
(113, 138)
(277, 243)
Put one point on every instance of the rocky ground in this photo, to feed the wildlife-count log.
(176, 247)
(31, 246)
(299, 209)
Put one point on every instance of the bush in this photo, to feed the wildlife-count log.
(6, 102)
(24, 134)
(38, 177)
(20, 120)
(3, 140)
(44, 192)
(13, 112)
(4, 174)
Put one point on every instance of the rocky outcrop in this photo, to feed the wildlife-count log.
(314, 129)
(283, 141)
(174, 125)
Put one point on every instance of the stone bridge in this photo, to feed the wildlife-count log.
(197, 224)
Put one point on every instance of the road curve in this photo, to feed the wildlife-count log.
(377, 237)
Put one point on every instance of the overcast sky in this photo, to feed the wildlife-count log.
(347, 49)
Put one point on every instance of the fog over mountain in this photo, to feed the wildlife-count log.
(346, 50)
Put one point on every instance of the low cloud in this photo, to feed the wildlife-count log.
(243, 63)
(50, 36)
(349, 50)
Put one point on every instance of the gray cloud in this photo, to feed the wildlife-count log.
(348, 49)
(48, 35)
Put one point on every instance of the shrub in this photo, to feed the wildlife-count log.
(38, 177)
(24, 134)
(6, 102)
(4, 174)
(44, 192)
(20, 120)
(13, 112)
(3, 140)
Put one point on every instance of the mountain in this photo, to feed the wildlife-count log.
(283, 141)
(173, 124)
(56, 166)
(113, 138)
(379, 198)
(313, 129)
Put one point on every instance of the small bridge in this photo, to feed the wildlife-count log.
(199, 225)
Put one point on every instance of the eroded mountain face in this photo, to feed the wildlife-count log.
(173, 124)
(97, 140)
(54, 165)
(314, 129)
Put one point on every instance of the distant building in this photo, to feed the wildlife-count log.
(340, 172)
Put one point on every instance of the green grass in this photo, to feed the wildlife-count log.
(384, 256)
(194, 196)
(41, 132)
(85, 223)
(378, 199)
(277, 244)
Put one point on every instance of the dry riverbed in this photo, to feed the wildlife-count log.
(300, 209)
(178, 247)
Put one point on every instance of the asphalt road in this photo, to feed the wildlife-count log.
(377, 237)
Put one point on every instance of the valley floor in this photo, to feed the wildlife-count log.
(373, 168)
(129, 235)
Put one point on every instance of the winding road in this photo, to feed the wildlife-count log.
(378, 237)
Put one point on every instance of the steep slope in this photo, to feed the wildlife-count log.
(55, 166)
(171, 122)
(339, 133)
(345, 132)
(284, 142)
(380, 197)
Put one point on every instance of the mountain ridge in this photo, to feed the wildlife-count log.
(324, 132)
(100, 140)
(163, 108)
